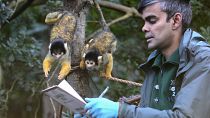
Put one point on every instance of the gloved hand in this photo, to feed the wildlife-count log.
(102, 107)
(77, 115)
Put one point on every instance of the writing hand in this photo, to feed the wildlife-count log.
(102, 108)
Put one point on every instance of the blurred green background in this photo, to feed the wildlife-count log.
(24, 41)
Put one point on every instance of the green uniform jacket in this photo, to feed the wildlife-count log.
(193, 77)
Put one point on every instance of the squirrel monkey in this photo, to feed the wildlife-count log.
(97, 53)
(61, 35)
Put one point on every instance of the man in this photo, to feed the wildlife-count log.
(177, 72)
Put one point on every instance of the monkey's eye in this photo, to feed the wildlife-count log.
(87, 62)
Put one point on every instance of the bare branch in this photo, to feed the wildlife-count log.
(103, 21)
(120, 8)
(120, 19)
(20, 9)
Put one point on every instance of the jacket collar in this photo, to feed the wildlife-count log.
(145, 66)
(184, 50)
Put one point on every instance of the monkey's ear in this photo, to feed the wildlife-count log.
(49, 46)
(84, 55)
(65, 46)
(90, 40)
(99, 58)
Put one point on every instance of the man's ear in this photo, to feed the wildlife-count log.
(177, 21)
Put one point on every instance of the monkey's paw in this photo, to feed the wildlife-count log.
(60, 77)
(82, 65)
(46, 72)
(63, 74)
(107, 76)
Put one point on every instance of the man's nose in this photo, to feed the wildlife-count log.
(145, 28)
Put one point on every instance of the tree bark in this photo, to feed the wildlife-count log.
(78, 78)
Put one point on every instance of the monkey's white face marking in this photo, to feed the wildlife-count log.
(57, 55)
(90, 65)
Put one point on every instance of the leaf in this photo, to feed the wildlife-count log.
(11, 58)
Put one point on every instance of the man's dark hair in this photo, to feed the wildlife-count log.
(171, 7)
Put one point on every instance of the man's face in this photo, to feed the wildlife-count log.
(158, 31)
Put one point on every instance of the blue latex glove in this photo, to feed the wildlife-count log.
(102, 108)
(77, 115)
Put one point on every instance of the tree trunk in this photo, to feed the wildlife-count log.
(79, 79)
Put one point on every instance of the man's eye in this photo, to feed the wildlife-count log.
(152, 21)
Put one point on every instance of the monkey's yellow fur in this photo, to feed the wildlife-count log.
(109, 66)
(64, 28)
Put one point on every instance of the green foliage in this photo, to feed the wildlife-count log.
(5, 13)
(206, 32)
(20, 61)
(17, 49)
(201, 14)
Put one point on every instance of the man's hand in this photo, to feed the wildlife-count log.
(77, 115)
(101, 107)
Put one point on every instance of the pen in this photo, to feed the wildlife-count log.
(100, 96)
(104, 92)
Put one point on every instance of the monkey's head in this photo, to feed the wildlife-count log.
(58, 48)
(92, 60)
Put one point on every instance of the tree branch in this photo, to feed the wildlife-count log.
(120, 19)
(120, 8)
(21, 9)
(103, 21)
